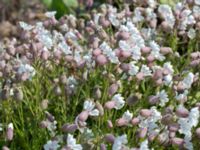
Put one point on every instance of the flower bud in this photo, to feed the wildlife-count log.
(109, 138)
(97, 93)
(109, 124)
(103, 147)
(124, 67)
(43, 124)
(174, 127)
(5, 148)
(121, 122)
(18, 94)
(96, 52)
(57, 90)
(9, 132)
(150, 58)
(131, 100)
(146, 50)
(177, 141)
(69, 127)
(135, 121)
(123, 35)
(109, 105)
(83, 116)
(125, 54)
(101, 60)
(113, 89)
(153, 99)
(145, 113)
(49, 116)
(172, 134)
(182, 112)
(165, 50)
(167, 119)
(198, 132)
(100, 108)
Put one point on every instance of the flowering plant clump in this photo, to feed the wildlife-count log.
(122, 79)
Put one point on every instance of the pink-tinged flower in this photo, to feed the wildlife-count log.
(10, 132)
(142, 132)
(140, 76)
(71, 143)
(119, 142)
(51, 145)
(117, 102)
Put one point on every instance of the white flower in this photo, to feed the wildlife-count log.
(163, 98)
(187, 143)
(186, 125)
(109, 52)
(25, 26)
(181, 96)
(191, 33)
(26, 68)
(71, 143)
(45, 37)
(196, 10)
(119, 101)
(151, 3)
(64, 47)
(168, 66)
(166, 11)
(51, 145)
(197, 2)
(150, 13)
(188, 80)
(144, 145)
(187, 19)
(133, 70)
(168, 80)
(194, 116)
(89, 106)
(119, 142)
(124, 45)
(137, 15)
(50, 14)
(150, 122)
(155, 52)
(10, 125)
(146, 70)
(127, 116)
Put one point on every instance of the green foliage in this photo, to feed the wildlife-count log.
(61, 6)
